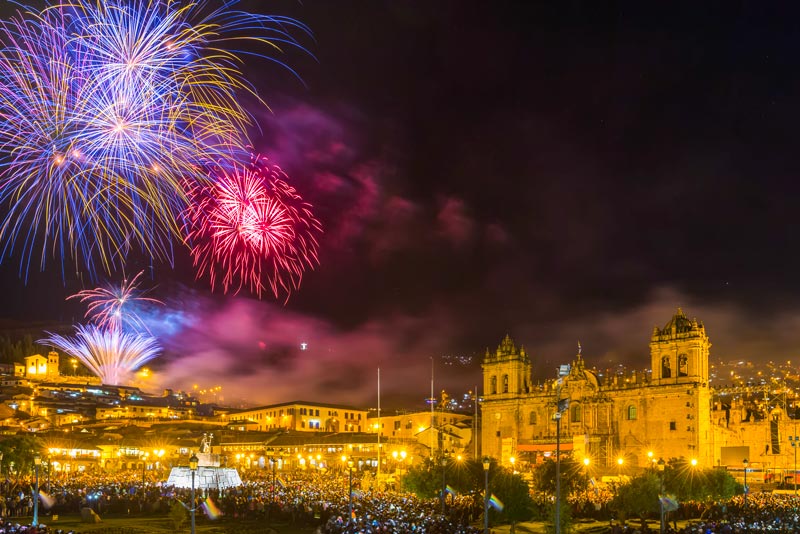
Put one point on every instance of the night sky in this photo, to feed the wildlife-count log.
(561, 172)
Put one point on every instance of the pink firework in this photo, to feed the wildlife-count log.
(115, 307)
(250, 228)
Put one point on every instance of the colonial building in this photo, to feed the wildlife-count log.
(661, 413)
(303, 416)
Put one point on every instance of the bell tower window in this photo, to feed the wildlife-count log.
(493, 386)
(683, 365)
(505, 383)
(666, 371)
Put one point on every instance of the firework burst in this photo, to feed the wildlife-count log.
(116, 307)
(106, 108)
(250, 228)
(111, 354)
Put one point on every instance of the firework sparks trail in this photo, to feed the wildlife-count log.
(106, 108)
(250, 228)
(115, 307)
(111, 354)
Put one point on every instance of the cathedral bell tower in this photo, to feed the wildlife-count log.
(679, 352)
(507, 372)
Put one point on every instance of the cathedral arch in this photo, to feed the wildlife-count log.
(666, 369)
(632, 413)
(505, 383)
(493, 386)
(683, 365)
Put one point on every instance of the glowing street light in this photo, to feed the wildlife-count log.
(350, 493)
(745, 463)
(486, 464)
(661, 465)
(37, 461)
(193, 462)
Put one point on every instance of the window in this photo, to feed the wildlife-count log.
(632, 413)
(666, 371)
(505, 383)
(575, 413)
(409, 425)
(532, 418)
(683, 365)
(673, 425)
(493, 386)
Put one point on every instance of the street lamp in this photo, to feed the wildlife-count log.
(144, 466)
(193, 461)
(350, 492)
(795, 443)
(486, 464)
(661, 465)
(620, 461)
(561, 406)
(444, 467)
(272, 491)
(744, 462)
(37, 461)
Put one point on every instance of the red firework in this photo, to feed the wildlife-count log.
(249, 227)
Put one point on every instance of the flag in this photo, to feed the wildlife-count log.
(281, 482)
(668, 502)
(449, 489)
(212, 510)
(496, 503)
(47, 500)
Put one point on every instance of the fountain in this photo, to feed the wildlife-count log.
(209, 474)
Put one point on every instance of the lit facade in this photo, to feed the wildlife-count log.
(302, 416)
(664, 413)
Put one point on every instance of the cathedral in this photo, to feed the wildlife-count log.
(668, 411)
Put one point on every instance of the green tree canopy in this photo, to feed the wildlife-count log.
(573, 476)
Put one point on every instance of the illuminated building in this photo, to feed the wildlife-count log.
(670, 411)
(302, 416)
(37, 367)
(667, 412)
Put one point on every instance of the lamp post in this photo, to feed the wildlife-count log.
(661, 466)
(444, 487)
(271, 491)
(486, 464)
(793, 442)
(561, 407)
(745, 462)
(144, 466)
(193, 461)
(350, 491)
(37, 461)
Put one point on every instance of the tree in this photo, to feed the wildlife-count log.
(639, 496)
(515, 495)
(573, 478)
(424, 480)
(19, 450)
(704, 486)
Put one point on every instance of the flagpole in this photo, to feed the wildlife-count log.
(432, 403)
(378, 472)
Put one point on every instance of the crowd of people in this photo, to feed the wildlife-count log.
(323, 501)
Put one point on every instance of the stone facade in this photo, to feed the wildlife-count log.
(664, 413)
